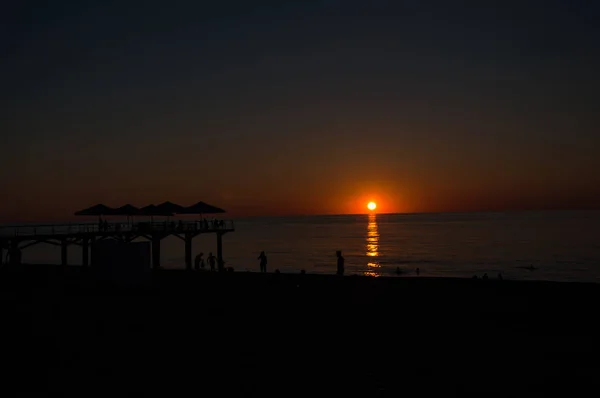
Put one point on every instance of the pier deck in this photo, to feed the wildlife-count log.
(20, 237)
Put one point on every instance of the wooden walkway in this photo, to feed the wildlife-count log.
(19, 237)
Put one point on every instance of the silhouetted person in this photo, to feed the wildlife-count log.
(418, 271)
(340, 263)
(212, 261)
(263, 261)
(500, 276)
(398, 271)
(485, 276)
(199, 262)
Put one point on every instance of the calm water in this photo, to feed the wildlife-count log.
(563, 246)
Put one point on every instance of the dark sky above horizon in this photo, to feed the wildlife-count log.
(299, 107)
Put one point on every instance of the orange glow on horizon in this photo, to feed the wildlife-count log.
(385, 200)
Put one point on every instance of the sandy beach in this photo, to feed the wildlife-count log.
(249, 334)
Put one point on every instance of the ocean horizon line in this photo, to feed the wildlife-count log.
(558, 210)
(87, 219)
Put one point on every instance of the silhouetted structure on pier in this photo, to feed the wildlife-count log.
(14, 239)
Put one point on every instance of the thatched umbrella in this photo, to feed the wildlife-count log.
(201, 208)
(96, 210)
(128, 211)
(169, 207)
(152, 210)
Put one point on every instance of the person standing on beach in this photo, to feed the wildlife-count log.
(340, 263)
(212, 260)
(199, 262)
(263, 261)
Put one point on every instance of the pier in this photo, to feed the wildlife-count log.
(14, 239)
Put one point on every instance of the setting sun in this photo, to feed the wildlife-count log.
(372, 206)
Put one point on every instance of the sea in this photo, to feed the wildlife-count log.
(527, 245)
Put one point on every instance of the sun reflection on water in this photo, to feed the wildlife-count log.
(372, 247)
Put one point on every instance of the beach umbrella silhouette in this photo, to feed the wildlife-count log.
(96, 210)
(128, 211)
(201, 208)
(169, 207)
(152, 210)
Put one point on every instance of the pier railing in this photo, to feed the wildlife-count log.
(116, 227)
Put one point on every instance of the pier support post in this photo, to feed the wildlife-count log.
(85, 252)
(155, 251)
(188, 251)
(220, 251)
(63, 251)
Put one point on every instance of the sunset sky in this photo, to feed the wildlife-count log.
(304, 107)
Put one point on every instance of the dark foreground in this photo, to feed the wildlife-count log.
(244, 334)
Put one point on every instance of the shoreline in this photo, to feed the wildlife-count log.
(518, 273)
(83, 270)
